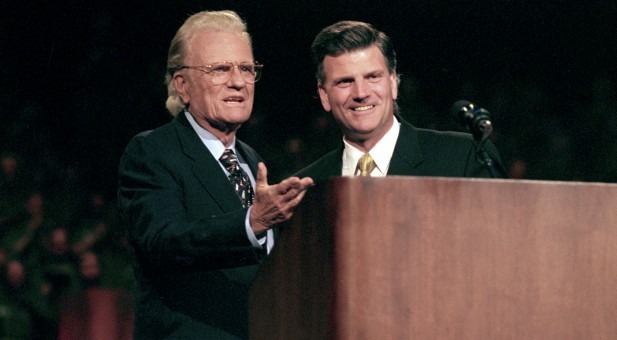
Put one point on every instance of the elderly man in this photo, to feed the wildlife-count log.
(200, 220)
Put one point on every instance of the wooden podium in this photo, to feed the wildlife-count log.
(438, 258)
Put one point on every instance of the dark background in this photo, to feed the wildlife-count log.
(79, 78)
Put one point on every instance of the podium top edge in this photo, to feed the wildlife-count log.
(343, 179)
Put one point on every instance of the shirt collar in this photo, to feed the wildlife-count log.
(214, 145)
(381, 152)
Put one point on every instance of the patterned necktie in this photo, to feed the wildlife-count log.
(238, 177)
(366, 164)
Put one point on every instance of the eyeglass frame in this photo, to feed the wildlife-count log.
(207, 69)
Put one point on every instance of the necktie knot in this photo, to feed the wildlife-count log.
(229, 159)
(366, 164)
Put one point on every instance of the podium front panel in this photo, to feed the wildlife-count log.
(428, 258)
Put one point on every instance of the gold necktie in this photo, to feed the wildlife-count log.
(366, 164)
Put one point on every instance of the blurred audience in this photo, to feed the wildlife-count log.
(52, 250)
(89, 270)
(21, 230)
(25, 307)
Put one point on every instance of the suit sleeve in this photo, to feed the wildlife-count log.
(172, 223)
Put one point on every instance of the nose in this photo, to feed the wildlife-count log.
(360, 90)
(236, 79)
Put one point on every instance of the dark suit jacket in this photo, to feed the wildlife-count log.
(418, 152)
(194, 262)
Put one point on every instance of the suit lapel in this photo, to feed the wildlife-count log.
(205, 167)
(334, 165)
(407, 154)
(249, 155)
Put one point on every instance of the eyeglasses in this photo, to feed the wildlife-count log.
(222, 71)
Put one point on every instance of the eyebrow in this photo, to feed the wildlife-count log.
(364, 75)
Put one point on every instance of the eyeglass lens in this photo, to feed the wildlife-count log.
(222, 72)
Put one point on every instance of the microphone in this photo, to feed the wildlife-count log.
(475, 118)
(478, 120)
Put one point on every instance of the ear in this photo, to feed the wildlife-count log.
(394, 84)
(181, 84)
(323, 96)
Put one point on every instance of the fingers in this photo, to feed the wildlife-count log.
(289, 189)
(294, 196)
(295, 183)
(262, 175)
(276, 203)
(299, 197)
(307, 182)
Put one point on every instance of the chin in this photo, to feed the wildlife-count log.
(238, 117)
(364, 127)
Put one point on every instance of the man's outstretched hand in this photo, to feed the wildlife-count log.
(275, 203)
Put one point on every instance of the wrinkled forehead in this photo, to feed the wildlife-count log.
(213, 46)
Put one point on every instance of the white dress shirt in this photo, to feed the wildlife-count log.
(381, 153)
(216, 148)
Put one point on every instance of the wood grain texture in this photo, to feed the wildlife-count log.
(436, 258)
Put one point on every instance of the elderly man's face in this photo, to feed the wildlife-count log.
(224, 105)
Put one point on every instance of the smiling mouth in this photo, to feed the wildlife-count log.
(363, 108)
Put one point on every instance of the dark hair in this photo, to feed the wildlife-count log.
(346, 36)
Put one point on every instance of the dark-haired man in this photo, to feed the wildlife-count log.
(358, 83)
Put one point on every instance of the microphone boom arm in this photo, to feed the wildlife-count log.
(479, 123)
(486, 129)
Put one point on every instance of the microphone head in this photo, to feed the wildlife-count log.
(463, 111)
(475, 118)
